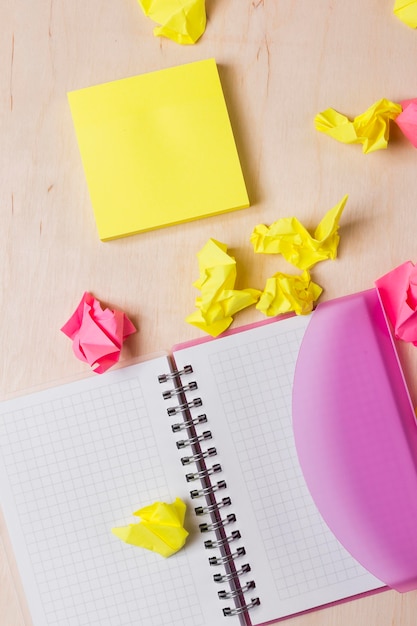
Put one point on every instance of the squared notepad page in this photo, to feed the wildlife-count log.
(245, 382)
(158, 149)
(76, 461)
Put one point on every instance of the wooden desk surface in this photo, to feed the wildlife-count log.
(280, 63)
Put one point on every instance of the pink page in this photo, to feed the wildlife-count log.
(356, 436)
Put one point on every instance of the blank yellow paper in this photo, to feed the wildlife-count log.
(158, 149)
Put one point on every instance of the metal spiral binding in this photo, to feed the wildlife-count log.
(183, 443)
(173, 410)
(215, 469)
(221, 542)
(203, 510)
(164, 378)
(197, 493)
(200, 419)
(241, 609)
(196, 458)
(220, 524)
(223, 578)
(179, 390)
(208, 490)
(232, 594)
(218, 560)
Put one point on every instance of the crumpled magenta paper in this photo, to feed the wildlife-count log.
(370, 128)
(97, 334)
(406, 11)
(398, 293)
(218, 301)
(183, 21)
(161, 529)
(407, 120)
(285, 293)
(287, 236)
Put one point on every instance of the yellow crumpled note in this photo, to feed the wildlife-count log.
(285, 293)
(161, 529)
(183, 21)
(287, 236)
(370, 128)
(218, 301)
(406, 11)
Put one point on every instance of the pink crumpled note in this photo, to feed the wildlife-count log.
(407, 120)
(97, 334)
(398, 293)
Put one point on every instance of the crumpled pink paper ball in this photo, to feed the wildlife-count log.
(407, 120)
(398, 294)
(97, 334)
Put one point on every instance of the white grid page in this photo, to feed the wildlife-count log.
(255, 386)
(76, 463)
(246, 388)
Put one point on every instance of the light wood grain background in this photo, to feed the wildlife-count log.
(280, 63)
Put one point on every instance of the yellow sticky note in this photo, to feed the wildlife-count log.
(158, 149)
(183, 21)
(161, 529)
(285, 293)
(370, 128)
(287, 236)
(406, 11)
(218, 301)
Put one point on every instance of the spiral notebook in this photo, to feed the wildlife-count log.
(210, 423)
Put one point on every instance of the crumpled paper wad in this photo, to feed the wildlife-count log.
(285, 293)
(219, 300)
(406, 11)
(398, 293)
(370, 128)
(183, 21)
(407, 120)
(161, 529)
(97, 334)
(287, 236)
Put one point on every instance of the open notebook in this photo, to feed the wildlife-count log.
(77, 459)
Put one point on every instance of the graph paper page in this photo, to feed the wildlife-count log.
(245, 381)
(76, 461)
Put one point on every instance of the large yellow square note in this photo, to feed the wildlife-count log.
(158, 149)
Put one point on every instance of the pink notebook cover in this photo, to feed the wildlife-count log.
(356, 436)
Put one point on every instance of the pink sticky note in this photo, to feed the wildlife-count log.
(97, 334)
(398, 293)
(407, 120)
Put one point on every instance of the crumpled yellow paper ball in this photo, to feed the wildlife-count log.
(287, 236)
(182, 21)
(285, 293)
(161, 529)
(406, 11)
(370, 128)
(218, 301)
